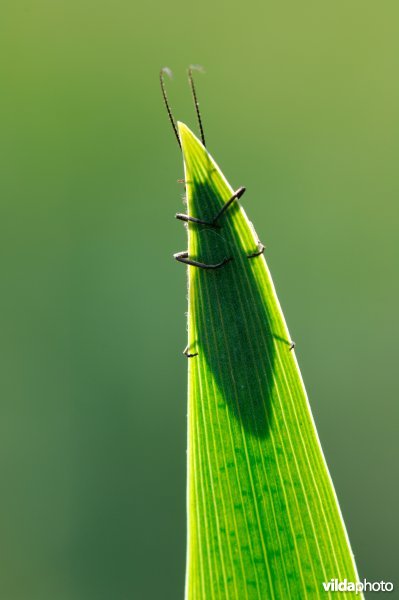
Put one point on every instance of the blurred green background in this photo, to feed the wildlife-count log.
(300, 104)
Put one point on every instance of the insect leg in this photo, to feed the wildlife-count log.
(183, 257)
(183, 217)
(259, 251)
(189, 354)
(237, 194)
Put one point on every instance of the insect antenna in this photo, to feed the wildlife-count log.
(197, 110)
(166, 101)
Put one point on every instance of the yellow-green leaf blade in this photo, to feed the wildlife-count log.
(263, 517)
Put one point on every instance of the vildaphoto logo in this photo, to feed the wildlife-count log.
(359, 586)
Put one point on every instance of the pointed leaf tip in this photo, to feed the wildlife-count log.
(187, 137)
(196, 158)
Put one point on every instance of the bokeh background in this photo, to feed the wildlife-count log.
(300, 104)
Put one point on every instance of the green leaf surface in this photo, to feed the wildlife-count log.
(263, 518)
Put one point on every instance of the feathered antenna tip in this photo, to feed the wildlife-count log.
(167, 71)
(198, 68)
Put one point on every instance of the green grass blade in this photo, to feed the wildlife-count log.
(264, 522)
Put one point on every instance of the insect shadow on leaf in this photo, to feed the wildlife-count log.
(226, 340)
